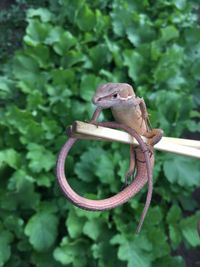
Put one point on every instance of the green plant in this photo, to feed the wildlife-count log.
(68, 49)
(12, 25)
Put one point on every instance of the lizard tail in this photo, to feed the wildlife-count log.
(144, 174)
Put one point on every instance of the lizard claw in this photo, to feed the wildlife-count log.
(150, 149)
(93, 122)
(124, 186)
(128, 179)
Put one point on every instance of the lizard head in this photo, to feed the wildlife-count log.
(113, 94)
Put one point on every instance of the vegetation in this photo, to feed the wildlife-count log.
(70, 47)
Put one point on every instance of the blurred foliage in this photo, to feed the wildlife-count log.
(70, 47)
(12, 24)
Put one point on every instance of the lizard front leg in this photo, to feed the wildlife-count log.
(95, 116)
(153, 135)
(144, 113)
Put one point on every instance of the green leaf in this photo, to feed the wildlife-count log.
(44, 179)
(6, 88)
(70, 8)
(188, 228)
(175, 120)
(43, 13)
(100, 56)
(174, 214)
(96, 161)
(43, 259)
(54, 35)
(15, 225)
(192, 36)
(72, 58)
(104, 169)
(25, 67)
(178, 171)
(86, 18)
(74, 224)
(62, 77)
(169, 261)
(88, 86)
(104, 252)
(168, 68)
(88, 162)
(5, 250)
(35, 100)
(195, 69)
(193, 126)
(132, 252)
(123, 167)
(120, 25)
(93, 228)
(169, 33)
(140, 31)
(22, 190)
(154, 216)
(41, 54)
(23, 122)
(18, 180)
(156, 49)
(73, 253)
(42, 230)
(51, 128)
(175, 235)
(134, 61)
(180, 4)
(37, 32)
(102, 22)
(10, 157)
(40, 158)
(159, 241)
(65, 42)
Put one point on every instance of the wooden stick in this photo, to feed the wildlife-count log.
(169, 144)
(183, 142)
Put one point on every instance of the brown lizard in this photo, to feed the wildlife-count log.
(131, 111)
(121, 99)
(127, 109)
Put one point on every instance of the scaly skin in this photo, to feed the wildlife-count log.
(129, 110)
(131, 115)
(144, 166)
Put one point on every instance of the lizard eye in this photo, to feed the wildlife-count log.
(114, 96)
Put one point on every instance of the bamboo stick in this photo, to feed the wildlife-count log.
(183, 142)
(169, 144)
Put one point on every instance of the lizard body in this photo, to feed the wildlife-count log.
(130, 113)
(129, 110)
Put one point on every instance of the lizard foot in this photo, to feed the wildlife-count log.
(128, 179)
(93, 122)
(150, 150)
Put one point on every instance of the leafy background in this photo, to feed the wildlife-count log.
(54, 54)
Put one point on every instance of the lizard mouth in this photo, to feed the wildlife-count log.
(105, 99)
(103, 102)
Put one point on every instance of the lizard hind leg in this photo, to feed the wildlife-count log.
(130, 172)
(154, 136)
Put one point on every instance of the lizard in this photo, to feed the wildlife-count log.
(104, 98)
(129, 110)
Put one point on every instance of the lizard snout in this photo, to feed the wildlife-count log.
(96, 99)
